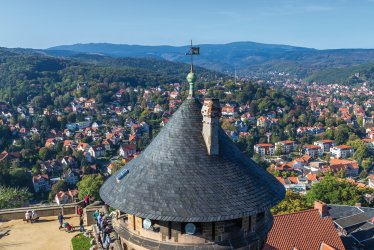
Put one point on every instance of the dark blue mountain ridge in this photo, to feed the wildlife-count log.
(243, 56)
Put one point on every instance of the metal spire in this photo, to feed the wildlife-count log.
(191, 77)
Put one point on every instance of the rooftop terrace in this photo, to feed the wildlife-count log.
(44, 234)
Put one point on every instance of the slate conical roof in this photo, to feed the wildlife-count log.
(174, 178)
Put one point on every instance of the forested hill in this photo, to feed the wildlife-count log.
(245, 57)
(25, 73)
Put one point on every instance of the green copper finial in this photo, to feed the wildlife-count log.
(191, 77)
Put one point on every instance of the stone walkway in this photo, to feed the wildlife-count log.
(42, 235)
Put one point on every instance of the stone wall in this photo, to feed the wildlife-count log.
(43, 211)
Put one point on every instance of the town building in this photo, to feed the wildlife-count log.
(192, 188)
(309, 229)
(228, 110)
(313, 150)
(350, 168)
(41, 183)
(342, 151)
(286, 146)
(264, 149)
(354, 223)
(127, 149)
(97, 151)
(66, 197)
(325, 145)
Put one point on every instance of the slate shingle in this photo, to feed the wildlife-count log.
(175, 178)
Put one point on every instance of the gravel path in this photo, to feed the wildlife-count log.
(44, 234)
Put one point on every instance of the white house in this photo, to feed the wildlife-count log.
(342, 151)
(264, 149)
(313, 150)
(287, 146)
(325, 145)
(127, 150)
(97, 151)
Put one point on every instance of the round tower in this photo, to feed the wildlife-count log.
(192, 188)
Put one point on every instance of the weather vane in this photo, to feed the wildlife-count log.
(194, 51)
(191, 77)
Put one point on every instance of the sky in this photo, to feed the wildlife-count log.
(321, 24)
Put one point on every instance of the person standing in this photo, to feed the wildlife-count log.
(107, 242)
(60, 219)
(27, 216)
(80, 211)
(99, 240)
(86, 200)
(81, 226)
(99, 217)
(34, 216)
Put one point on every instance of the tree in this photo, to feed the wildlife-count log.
(278, 150)
(44, 153)
(363, 174)
(366, 164)
(332, 190)
(90, 185)
(361, 150)
(341, 134)
(61, 185)
(13, 197)
(116, 166)
(293, 202)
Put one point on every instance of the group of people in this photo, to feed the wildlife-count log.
(68, 227)
(102, 222)
(31, 216)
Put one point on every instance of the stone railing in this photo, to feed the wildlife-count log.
(42, 211)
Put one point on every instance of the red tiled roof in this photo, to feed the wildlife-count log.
(312, 146)
(304, 158)
(368, 140)
(302, 230)
(287, 142)
(265, 145)
(3, 155)
(293, 180)
(344, 147)
(311, 177)
(325, 246)
(336, 163)
(326, 141)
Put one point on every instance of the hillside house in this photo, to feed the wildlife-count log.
(126, 150)
(342, 151)
(286, 146)
(97, 151)
(228, 110)
(350, 168)
(41, 183)
(325, 145)
(313, 150)
(264, 149)
(66, 197)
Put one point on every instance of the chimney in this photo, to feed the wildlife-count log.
(322, 208)
(211, 112)
(358, 204)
